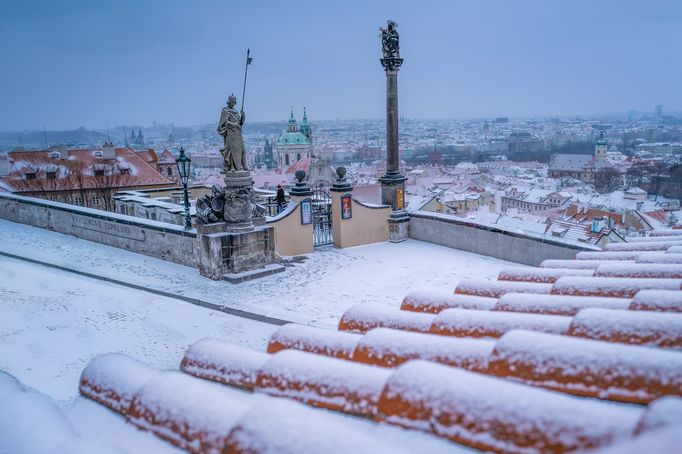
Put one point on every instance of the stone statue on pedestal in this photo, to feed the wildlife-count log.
(230, 243)
(232, 203)
(230, 127)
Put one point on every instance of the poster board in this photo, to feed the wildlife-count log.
(346, 207)
(306, 211)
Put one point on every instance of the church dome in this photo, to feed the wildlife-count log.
(292, 138)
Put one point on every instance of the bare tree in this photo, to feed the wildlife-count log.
(43, 180)
(78, 183)
(108, 178)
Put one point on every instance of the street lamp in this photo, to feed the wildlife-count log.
(183, 163)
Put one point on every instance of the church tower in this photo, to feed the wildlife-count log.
(601, 148)
(293, 145)
(269, 158)
(292, 126)
(305, 127)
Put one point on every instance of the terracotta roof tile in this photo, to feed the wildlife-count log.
(491, 369)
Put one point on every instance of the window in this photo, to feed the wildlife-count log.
(99, 172)
(286, 158)
(54, 154)
(98, 154)
(30, 176)
(78, 200)
(51, 175)
(124, 209)
(298, 157)
(96, 200)
(125, 171)
(169, 171)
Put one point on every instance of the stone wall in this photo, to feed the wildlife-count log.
(156, 239)
(488, 240)
(292, 237)
(368, 223)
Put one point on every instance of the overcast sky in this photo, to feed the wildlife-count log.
(91, 63)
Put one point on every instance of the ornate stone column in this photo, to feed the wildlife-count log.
(238, 210)
(393, 182)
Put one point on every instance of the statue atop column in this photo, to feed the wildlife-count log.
(393, 182)
(230, 127)
(390, 46)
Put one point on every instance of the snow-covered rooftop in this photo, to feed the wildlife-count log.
(518, 359)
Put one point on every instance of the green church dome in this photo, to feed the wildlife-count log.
(292, 138)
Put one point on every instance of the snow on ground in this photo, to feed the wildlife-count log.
(52, 323)
(316, 291)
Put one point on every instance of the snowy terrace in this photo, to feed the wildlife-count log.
(568, 356)
(56, 321)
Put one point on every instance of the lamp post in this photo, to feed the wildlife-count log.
(183, 163)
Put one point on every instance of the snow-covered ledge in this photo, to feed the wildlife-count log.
(491, 240)
(157, 239)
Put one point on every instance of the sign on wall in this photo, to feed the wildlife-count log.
(306, 211)
(346, 209)
(399, 198)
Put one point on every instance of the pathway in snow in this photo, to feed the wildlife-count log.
(316, 291)
(52, 323)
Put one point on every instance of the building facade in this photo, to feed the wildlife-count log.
(295, 143)
(593, 169)
(85, 177)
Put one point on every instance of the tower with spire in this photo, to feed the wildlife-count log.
(305, 127)
(294, 144)
(601, 148)
(292, 126)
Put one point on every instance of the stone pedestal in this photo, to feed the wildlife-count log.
(238, 211)
(398, 224)
(236, 256)
(235, 249)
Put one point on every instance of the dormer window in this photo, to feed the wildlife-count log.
(98, 154)
(54, 155)
(30, 176)
(99, 172)
(124, 171)
(50, 175)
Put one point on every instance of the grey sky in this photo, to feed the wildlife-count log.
(90, 63)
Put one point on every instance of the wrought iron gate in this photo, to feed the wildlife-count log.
(322, 218)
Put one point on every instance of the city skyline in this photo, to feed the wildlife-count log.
(78, 64)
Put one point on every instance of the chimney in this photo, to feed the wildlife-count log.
(4, 165)
(108, 151)
(598, 224)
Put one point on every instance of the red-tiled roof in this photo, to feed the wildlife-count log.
(148, 155)
(301, 164)
(527, 364)
(167, 157)
(582, 215)
(76, 171)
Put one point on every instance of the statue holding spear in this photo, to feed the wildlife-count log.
(230, 127)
